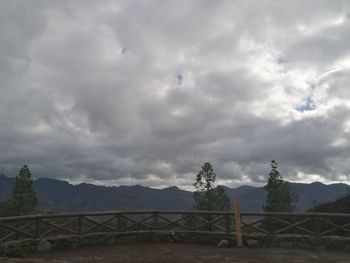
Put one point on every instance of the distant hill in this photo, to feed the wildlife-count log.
(341, 205)
(59, 196)
(252, 198)
(56, 195)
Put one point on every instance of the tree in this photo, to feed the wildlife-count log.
(6, 209)
(279, 197)
(23, 199)
(207, 197)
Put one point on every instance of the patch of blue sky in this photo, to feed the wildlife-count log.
(179, 79)
(309, 105)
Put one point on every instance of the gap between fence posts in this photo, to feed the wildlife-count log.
(238, 227)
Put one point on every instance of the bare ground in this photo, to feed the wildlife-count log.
(176, 253)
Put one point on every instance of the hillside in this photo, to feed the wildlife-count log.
(341, 205)
(56, 195)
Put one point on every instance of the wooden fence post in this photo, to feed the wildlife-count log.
(119, 223)
(37, 227)
(80, 224)
(155, 222)
(227, 224)
(238, 223)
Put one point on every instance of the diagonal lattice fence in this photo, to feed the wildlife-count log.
(53, 225)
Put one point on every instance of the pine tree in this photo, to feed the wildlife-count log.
(205, 178)
(279, 197)
(23, 199)
(208, 197)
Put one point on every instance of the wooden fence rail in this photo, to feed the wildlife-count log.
(51, 225)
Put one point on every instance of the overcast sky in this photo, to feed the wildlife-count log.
(145, 92)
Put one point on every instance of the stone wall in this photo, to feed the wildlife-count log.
(298, 241)
(97, 239)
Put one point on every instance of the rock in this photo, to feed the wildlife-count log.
(111, 241)
(223, 243)
(319, 247)
(253, 243)
(74, 245)
(9, 249)
(43, 245)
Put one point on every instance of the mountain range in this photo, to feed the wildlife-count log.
(61, 196)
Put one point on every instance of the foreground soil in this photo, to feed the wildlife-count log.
(177, 253)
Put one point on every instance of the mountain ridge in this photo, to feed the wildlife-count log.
(62, 196)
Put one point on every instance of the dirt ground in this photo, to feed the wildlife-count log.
(175, 253)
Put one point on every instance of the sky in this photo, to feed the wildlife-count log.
(144, 92)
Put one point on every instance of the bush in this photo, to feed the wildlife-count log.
(18, 252)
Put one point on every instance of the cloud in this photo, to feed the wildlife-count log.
(124, 92)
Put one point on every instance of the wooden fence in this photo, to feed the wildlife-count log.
(229, 223)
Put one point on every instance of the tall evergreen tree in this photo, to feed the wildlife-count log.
(23, 199)
(208, 197)
(279, 197)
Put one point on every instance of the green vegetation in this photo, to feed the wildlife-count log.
(341, 205)
(19, 252)
(23, 199)
(5, 209)
(279, 197)
(207, 197)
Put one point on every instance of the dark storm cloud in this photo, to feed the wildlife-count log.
(126, 92)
